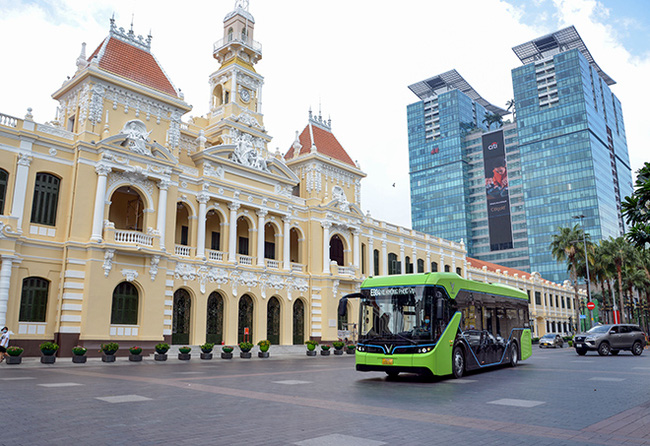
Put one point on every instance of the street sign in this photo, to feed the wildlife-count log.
(591, 305)
(583, 316)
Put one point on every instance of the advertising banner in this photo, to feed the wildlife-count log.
(496, 189)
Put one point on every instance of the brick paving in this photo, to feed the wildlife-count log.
(291, 399)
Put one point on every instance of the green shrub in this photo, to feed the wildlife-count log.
(227, 348)
(351, 347)
(311, 345)
(185, 350)
(79, 350)
(264, 345)
(135, 350)
(325, 347)
(49, 348)
(15, 351)
(338, 344)
(207, 347)
(111, 348)
(162, 348)
(245, 346)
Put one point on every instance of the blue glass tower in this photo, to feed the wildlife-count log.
(574, 157)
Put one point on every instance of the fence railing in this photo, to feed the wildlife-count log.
(133, 237)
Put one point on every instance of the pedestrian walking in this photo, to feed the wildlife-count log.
(4, 343)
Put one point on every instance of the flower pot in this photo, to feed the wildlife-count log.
(311, 352)
(135, 358)
(350, 351)
(338, 352)
(108, 358)
(245, 355)
(79, 359)
(262, 354)
(48, 359)
(184, 356)
(206, 355)
(14, 359)
(48, 352)
(225, 355)
(325, 352)
(160, 357)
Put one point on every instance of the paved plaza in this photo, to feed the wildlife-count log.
(553, 398)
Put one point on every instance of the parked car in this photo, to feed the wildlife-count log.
(606, 339)
(551, 340)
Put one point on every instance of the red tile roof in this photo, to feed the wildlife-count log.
(325, 142)
(475, 263)
(132, 63)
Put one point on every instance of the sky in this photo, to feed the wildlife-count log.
(352, 60)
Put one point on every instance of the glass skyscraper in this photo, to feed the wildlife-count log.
(564, 154)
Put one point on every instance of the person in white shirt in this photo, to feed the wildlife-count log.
(4, 343)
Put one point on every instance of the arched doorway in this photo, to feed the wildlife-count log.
(298, 322)
(214, 326)
(182, 316)
(245, 319)
(182, 235)
(294, 246)
(243, 229)
(269, 241)
(127, 209)
(336, 250)
(273, 321)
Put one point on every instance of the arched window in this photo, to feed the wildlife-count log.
(376, 261)
(181, 318)
(363, 258)
(420, 265)
(230, 33)
(409, 265)
(459, 271)
(4, 176)
(214, 328)
(336, 250)
(245, 319)
(447, 268)
(33, 300)
(127, 209)
(434, 267)
(124, 310)
(46, 198)
(273, 321)
(394, 266)
(298, 322)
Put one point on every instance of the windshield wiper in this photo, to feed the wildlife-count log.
(405, 338)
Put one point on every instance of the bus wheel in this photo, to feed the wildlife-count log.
(458, 362)
(392, 374)
(514, 355)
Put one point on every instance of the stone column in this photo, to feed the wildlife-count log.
(232, 232)
(371, 257)
(356, 248)
(326, 246)
(100, 201)
(427, 267)
(20, 189)
(5, 280)
(286, 243)
(384, 258)
(260, 236)
(402, 259)
(163, 185)
(203, 198)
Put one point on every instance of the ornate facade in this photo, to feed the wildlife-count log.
(119, 221)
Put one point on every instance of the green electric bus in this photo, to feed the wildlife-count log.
(438, 323)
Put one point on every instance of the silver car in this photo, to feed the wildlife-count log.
(551, 340)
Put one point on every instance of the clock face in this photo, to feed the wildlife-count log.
(244, 95)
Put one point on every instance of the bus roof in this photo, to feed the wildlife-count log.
(452, 282)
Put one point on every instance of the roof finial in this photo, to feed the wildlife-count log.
(113, 22)
(310, 114)
(243, 4)
(131, 33)
(81, 60)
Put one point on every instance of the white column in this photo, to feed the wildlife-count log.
(232, 232)
(326, 246)
(371, 257)
(260, 236)
(356, 248)
(100, 201)
(163, 185)
(427, 267)
(233, 94)
(5, 280)
(286, 243)
(203, 198)
(402, 260)
(384, 259)
(415, 260)
(259, 99)
(20, 189)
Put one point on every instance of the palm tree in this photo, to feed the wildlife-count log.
(492, 118)
(563, 249)
(620, 252)
(601, 273)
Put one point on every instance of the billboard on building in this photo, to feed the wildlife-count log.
(496, 189)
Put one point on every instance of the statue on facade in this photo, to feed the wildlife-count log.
(137, 136)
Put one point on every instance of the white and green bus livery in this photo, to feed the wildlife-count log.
(439, 323)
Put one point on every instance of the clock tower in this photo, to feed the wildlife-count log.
(235, 88)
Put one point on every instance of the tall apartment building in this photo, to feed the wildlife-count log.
(565, 155)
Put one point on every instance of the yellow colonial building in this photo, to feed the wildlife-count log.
(121, 222)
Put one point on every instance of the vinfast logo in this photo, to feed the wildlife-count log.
(493, 146)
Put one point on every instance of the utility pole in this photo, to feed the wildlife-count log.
(584, 240)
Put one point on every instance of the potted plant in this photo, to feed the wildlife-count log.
(135, 354)
(245, 348)
(350, 349)
(264, 348)
(79, 354)
(206, 350)
(184, 353)
(109, 351)
(161, 351)
(48, 349)
(226, 352)
(14, 353)
(338, 347)
(325, 350)
(311, 347)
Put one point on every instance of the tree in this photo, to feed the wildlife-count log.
(492, 118)
(563, 249)
(636, 209)
(602, 272)
(620, 252)
(511, 107)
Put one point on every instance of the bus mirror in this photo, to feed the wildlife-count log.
(343, 306)
(439, 306)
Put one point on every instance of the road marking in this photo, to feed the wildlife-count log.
(516, 403)
(17, 378)
(460, 381)
(339, 440)
(60, 385)
(640, 368)
(189, 373)
(123, 398)
(292, 382)
(607, 379)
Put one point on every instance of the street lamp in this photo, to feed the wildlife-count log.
(584, 240)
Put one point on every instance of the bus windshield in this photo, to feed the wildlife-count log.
(408, 313)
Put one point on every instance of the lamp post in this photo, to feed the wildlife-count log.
(584, 240)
